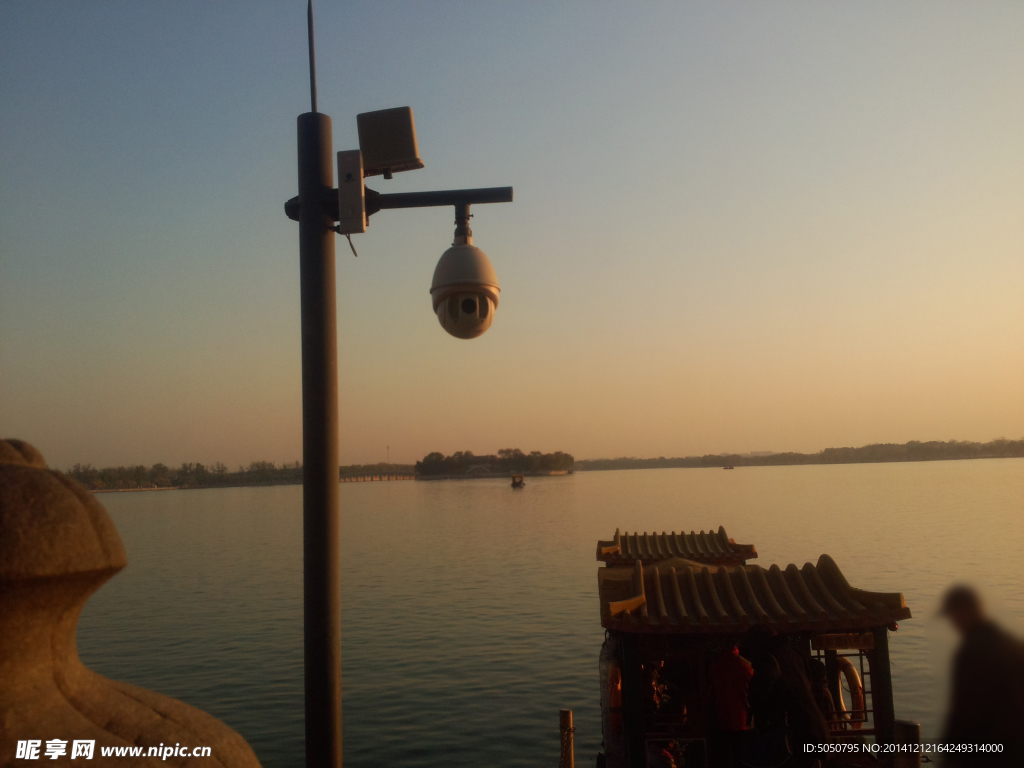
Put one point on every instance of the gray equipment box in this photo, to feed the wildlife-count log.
(387, 139)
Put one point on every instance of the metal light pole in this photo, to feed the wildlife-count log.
(320, 513)
(316, 208)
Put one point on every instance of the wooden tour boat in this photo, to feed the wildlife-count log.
(676, 607)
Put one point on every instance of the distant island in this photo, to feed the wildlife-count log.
(876, 453)
(508, 461)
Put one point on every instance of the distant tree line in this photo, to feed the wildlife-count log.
(869, 454)
(197, 475)
(507, 461)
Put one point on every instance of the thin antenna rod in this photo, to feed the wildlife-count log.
(312, 55)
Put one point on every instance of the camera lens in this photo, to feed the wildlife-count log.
(469, 306)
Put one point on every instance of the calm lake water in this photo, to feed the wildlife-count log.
(470, 611)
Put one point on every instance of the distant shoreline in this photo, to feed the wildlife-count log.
(190, 476)
(260, 474)
(343, 479)
(794, 464)
(492, 476)
(189, 487)
(878, 453)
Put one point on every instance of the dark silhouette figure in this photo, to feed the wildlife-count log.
(729, 675)
(818, 678)
(988, 685)
(782, 702)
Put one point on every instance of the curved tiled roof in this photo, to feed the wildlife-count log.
(710, 547)
(682, 597)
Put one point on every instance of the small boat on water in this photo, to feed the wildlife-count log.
(728, 467)
(518, 481)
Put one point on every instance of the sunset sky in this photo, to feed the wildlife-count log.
(737, 226)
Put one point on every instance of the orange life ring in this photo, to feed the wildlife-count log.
(615, 697)
(849, 671)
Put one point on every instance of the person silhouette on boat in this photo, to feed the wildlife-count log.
(783, 707)
(729, 675)
(987, 704)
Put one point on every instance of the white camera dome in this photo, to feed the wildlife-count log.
(465, 291)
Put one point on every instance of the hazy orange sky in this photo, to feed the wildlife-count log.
(737, 227)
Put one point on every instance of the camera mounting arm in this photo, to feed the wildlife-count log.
(460, 198)
(376, 201)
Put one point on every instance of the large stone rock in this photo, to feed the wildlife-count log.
(57, 547)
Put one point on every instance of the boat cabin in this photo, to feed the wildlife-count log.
(675, 683)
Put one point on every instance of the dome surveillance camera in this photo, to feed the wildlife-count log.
(465, 290)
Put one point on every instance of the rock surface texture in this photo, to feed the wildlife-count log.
(57, 547)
